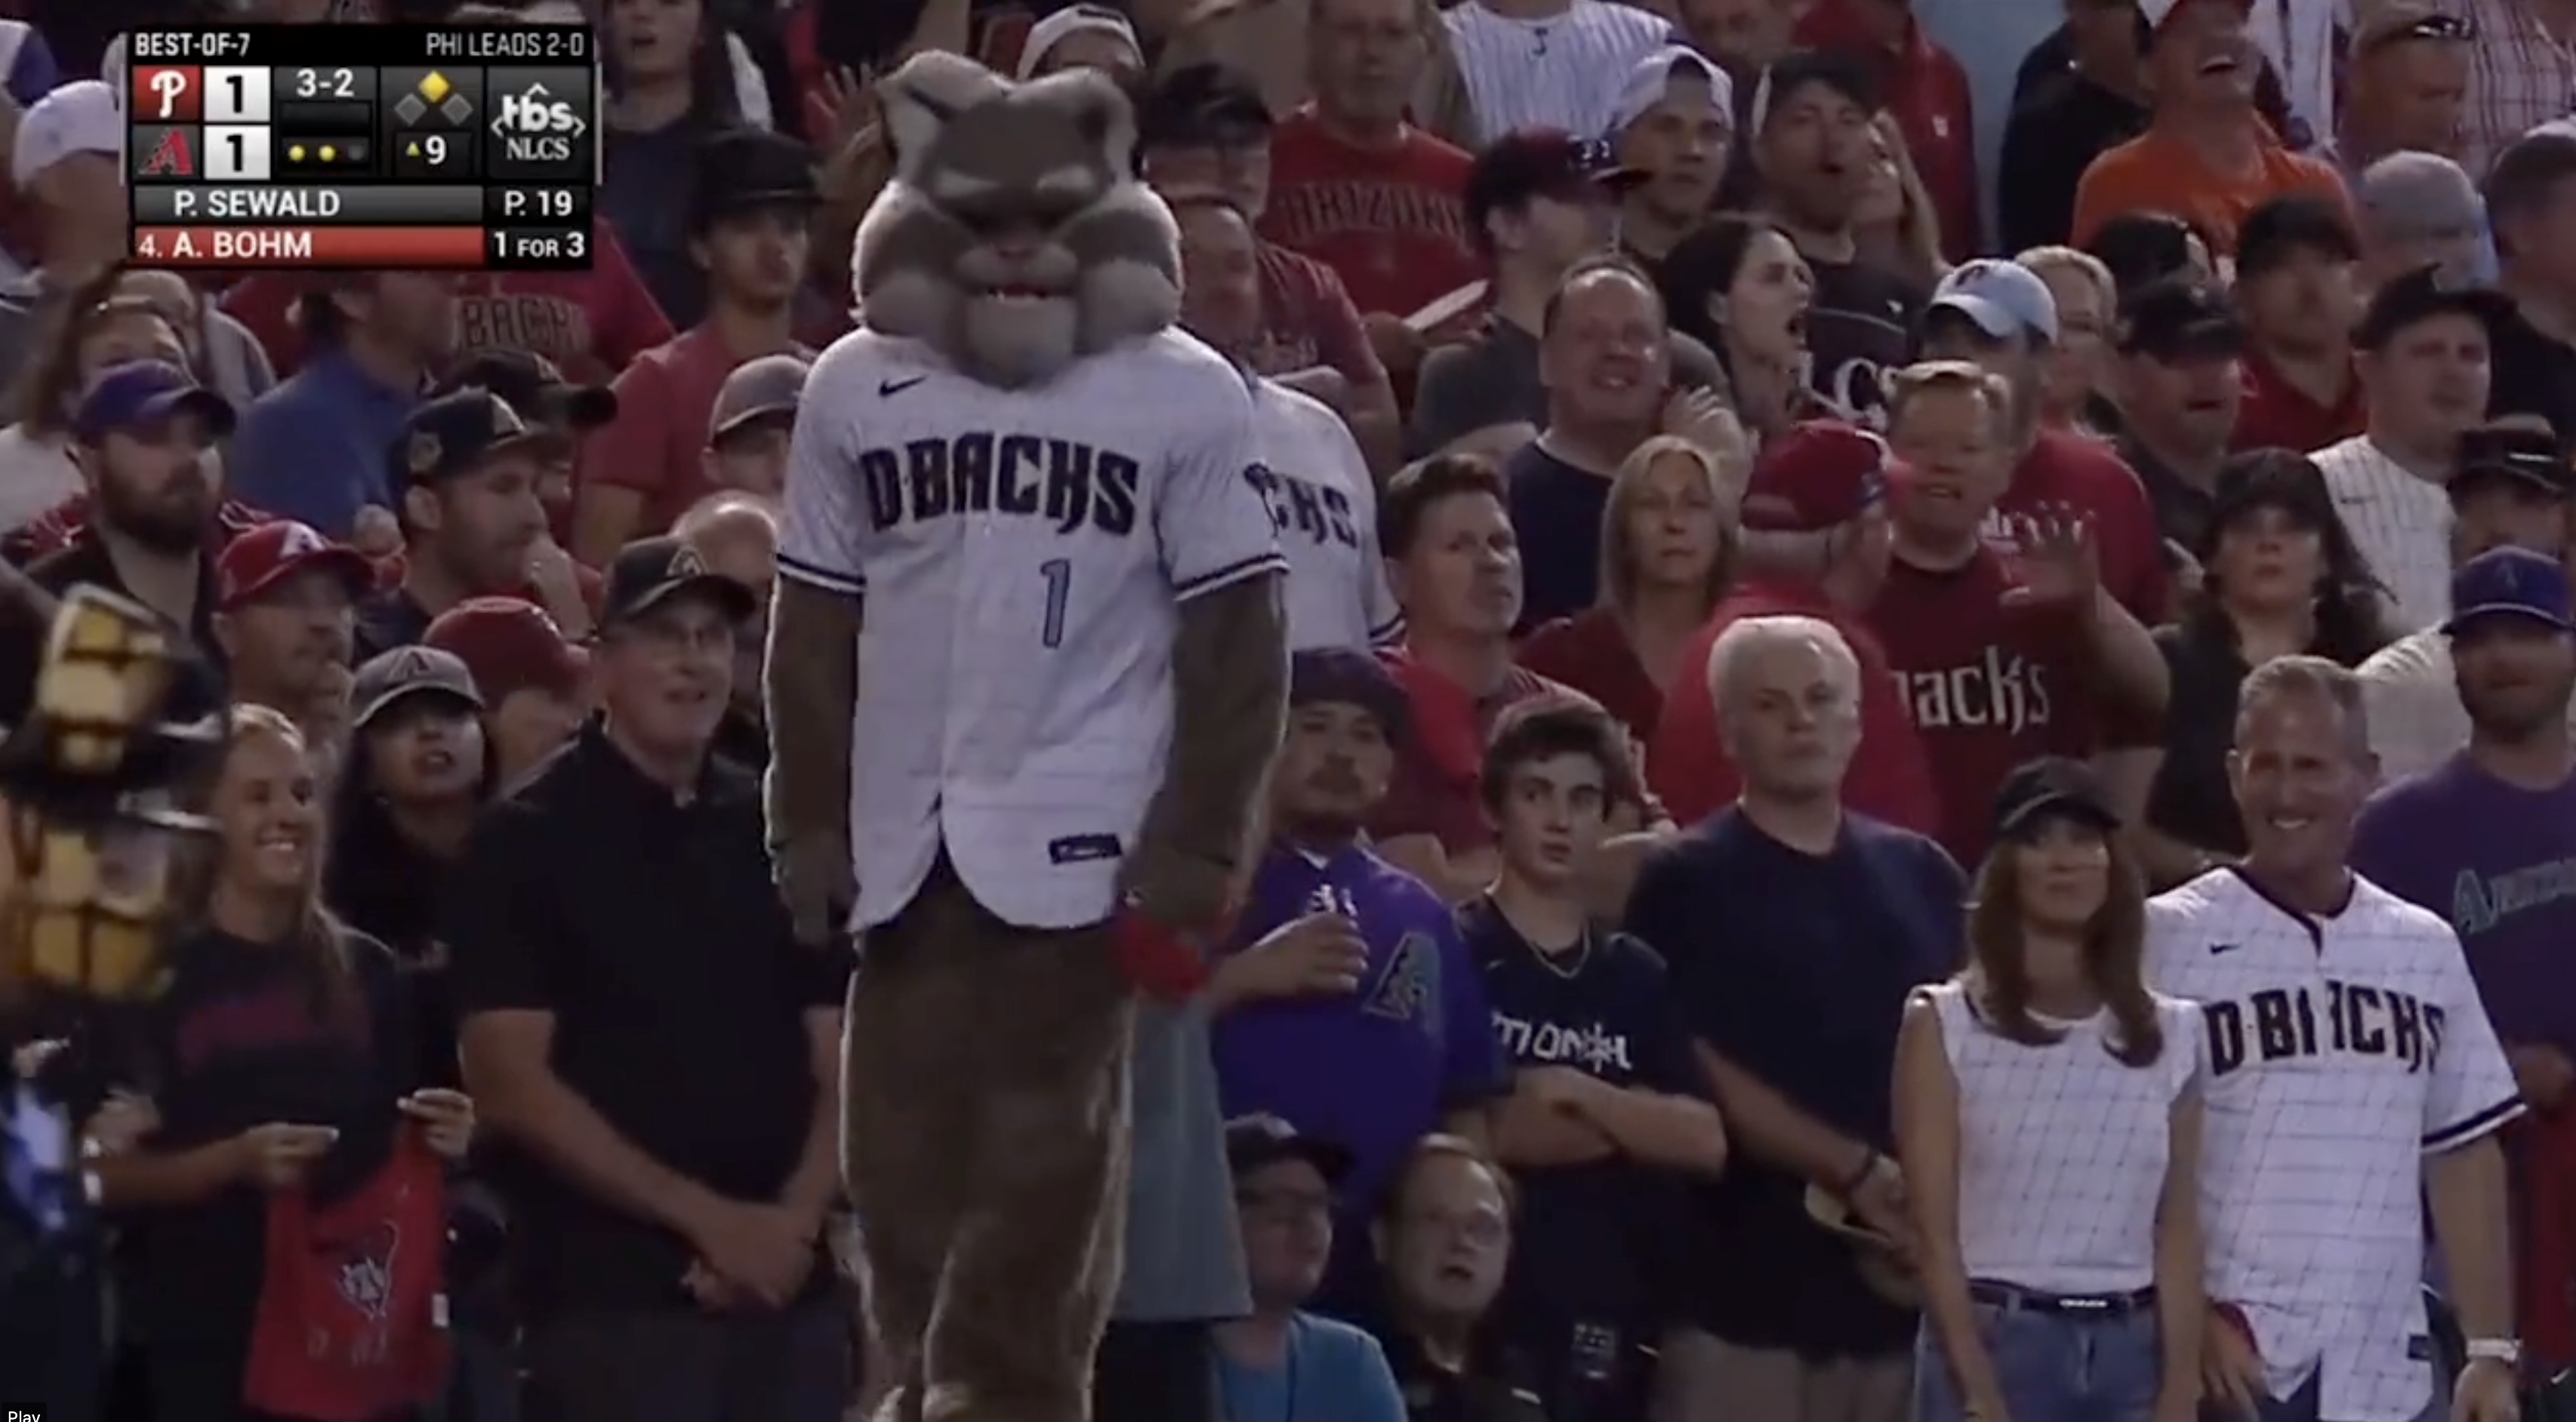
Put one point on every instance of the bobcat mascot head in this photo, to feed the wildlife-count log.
(1014, 235)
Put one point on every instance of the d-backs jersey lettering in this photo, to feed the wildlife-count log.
(1023, 555)
(1315, 480)
(2338, 1053)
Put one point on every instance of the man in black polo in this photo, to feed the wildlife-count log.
(653, 1050)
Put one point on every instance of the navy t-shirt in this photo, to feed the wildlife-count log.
(1585, 1286)
(1557, 511)
(1795, 967)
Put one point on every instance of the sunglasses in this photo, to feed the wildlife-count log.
(2457, 28)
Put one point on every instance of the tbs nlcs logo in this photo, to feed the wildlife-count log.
(534, 126)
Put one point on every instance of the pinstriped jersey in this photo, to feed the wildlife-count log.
(1023, 555)
(2401, 523)
(2338, 1053)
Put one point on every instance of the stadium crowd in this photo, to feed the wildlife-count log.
(1928, 770)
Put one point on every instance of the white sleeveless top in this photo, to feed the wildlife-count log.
(2062, 1149)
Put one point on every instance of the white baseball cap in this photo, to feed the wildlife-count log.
(79, 117)
(2003, 297)
(1074, 20)
(1651, 77)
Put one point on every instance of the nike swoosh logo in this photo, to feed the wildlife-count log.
(897, 387)
(2217, 948)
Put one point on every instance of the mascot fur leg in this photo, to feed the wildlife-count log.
(987, 1067)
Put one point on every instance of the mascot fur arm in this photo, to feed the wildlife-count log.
(1229, 701)
(812, 684)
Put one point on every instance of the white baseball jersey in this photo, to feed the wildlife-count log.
(2339, 1052)
(1316, 482)
(2399, 521)
(1023, 555)
(1563, 71)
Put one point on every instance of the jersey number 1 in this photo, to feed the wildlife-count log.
(1058, 573)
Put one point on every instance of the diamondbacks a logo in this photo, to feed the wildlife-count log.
(364, 1273)
(171, 157)
(1409, 990)
(687, 562)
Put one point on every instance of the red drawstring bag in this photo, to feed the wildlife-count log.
(351, 1322)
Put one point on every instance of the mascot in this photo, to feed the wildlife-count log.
(1026, 674)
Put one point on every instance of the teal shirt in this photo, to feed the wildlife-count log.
(1334, 1373)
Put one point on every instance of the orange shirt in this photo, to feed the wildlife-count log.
(2154, 173)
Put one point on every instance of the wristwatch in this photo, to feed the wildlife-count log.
(2507, 1351)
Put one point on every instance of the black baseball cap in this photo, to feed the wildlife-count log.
(2291, 224)
(2178, 317)
(2511, 454)
(457, 432)
(2421, 295)
(1529, 163)
(743, 170)
(535, 388)
(2142, 248)
(1255, 1142)
(2052, 787)
(651, 571)
(1783, 77)
(2265, 479)
(1353, 678)
(1204, 105)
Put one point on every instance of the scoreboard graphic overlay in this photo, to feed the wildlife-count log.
(313, 146)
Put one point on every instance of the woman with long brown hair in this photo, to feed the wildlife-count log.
(1894, 222)
(2048, 1123)
(1667, 556)
(280, 1058)
(2280, 574)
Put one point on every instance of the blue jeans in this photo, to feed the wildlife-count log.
(2060, 1367)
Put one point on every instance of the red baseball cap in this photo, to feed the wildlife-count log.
(509, 644)
(1822, 474)
(270, 553)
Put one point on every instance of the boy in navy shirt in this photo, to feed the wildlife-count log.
(1607, 1114)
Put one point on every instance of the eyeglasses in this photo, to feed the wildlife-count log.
(1479, 1227)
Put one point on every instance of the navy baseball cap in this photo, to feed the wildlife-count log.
(1529, 163)
(2051, 787)
(455, 433)
(2510, 582)
(1353, 678)
(146, 395)
(1255, 1142)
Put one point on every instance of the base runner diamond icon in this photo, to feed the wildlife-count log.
(435, 87)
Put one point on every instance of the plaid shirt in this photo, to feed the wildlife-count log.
(2522, 76)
